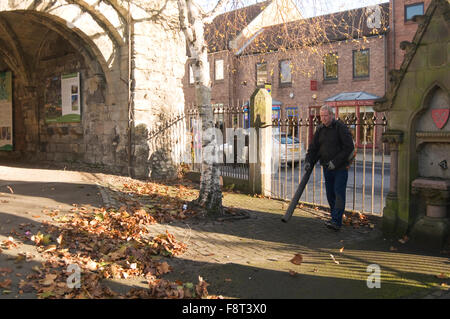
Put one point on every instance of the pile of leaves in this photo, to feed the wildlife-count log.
(106, 244)
(357, 220)
(165, 203)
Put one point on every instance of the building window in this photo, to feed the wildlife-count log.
(412, 10)
(285, 72)
(361, 63)
(261, 74)
(218, 70)
(330, 66)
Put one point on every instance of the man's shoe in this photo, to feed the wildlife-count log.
(335, 227)
(332, 225)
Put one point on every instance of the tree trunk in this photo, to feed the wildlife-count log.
(210, 197)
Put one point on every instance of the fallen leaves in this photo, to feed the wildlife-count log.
(443, 276)
(5, 270)
(41, 239)
(105, 244)
(108, 243)
(163, 268)
(162, 202)
(297, 260)
(5, 284)
(48, 280)
(9, 243)
(357, 220)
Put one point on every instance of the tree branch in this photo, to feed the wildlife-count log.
(209, 17)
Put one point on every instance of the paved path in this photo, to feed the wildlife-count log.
(246, 258)
(250, 258)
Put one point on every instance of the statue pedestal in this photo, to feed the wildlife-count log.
(433, 229)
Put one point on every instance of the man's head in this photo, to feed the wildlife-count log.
(326, 115)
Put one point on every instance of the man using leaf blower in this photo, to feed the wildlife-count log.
(332, 144)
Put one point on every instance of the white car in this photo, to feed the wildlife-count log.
(227, 151)
(287, 149)
(284, 150)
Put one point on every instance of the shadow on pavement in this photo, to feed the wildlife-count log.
(263, 230)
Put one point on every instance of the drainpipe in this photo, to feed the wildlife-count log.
(393, 34)
(386, 63)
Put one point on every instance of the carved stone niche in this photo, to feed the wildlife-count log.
(433, 138)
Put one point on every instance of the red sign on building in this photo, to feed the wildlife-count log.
(313, 85)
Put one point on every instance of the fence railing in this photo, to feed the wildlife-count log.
(225, 117)
(368, 180)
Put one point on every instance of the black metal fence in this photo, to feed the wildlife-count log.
(368, 174)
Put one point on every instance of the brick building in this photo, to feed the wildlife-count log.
(347, 68)
(403, 26)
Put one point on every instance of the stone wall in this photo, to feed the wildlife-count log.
(159, 69)
(60, 37)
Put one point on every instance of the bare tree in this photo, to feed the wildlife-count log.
(283, 30)
(192, 24)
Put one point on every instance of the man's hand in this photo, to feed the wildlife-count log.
(330, 166)
(307, 166)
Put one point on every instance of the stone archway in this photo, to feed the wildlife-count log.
(126, 82)
(36, 46)
(430, 143)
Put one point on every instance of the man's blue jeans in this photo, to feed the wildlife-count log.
(336, 185)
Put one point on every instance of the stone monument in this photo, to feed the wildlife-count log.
(418, 134)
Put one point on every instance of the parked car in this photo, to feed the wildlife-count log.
(240, 157)
(227, 150)
(285, 149)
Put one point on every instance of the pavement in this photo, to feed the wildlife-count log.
(250, 256)
(368, 157)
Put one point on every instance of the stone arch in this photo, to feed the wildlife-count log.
(91, 53)
(426, 138)
(427, 97)
(15, 58)
(430, 92)
(101, 25)
(23, 26)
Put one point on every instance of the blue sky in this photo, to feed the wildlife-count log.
(307, 7)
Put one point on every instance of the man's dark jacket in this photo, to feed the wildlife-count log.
(333, 143)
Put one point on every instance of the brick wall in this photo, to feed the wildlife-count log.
(240, 76)
(402, 31)
(244, 82)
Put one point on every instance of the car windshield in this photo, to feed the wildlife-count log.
(289, 139)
